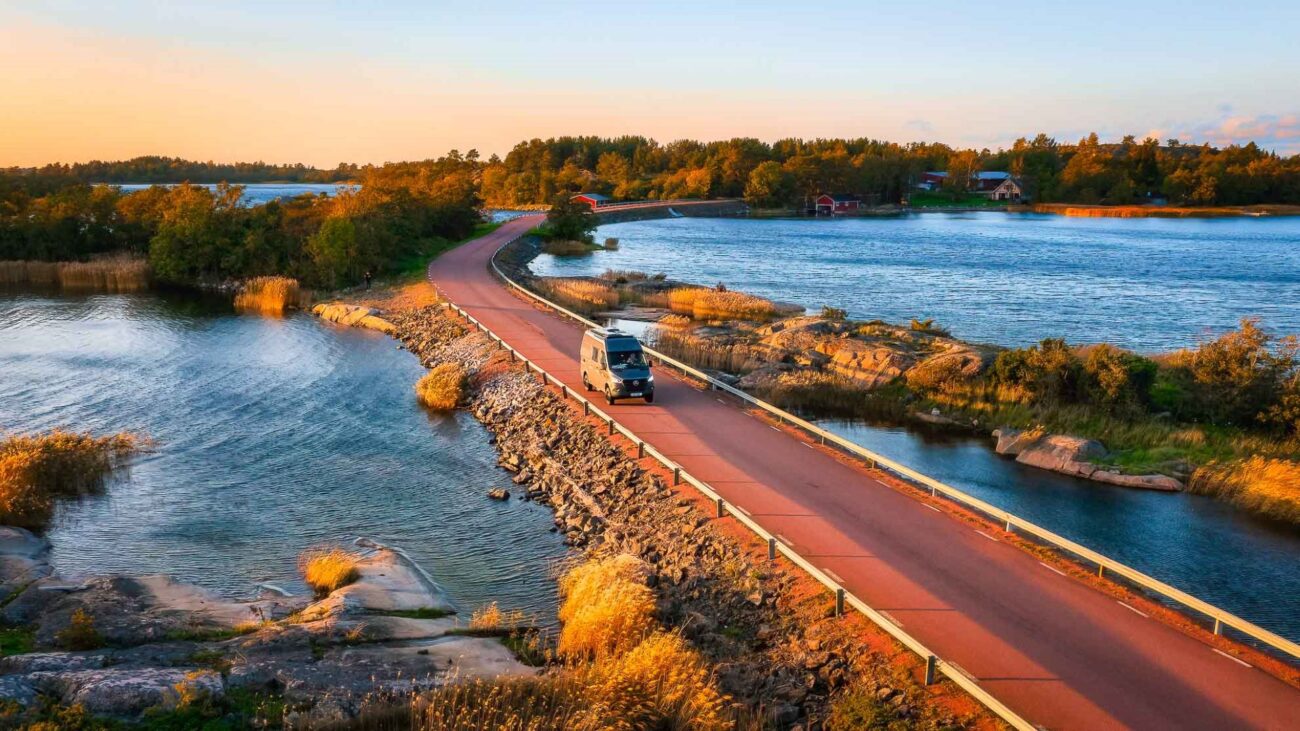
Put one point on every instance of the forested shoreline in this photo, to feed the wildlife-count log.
(195, 234)
(395, 212)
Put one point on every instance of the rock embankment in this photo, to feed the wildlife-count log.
(353, 316)
(767, 629)
(120, 646)
(1073, 456)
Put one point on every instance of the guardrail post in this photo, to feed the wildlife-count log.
(771, 549)
(839, 602)
(640, 449)
(1218, 626)
(1009, 525)
(722, 508)
(677, 475)
(1101, 571)
(586, 408)
(931, 664)
(611, 426)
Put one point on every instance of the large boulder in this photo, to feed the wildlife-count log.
(1063, 453)
(124, 692)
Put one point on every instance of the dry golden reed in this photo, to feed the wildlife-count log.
(490, 618)
(1262, 485)
(659, 683)
(327, 569)
(713, 304)
(268, 295)
(36, 470)
(583, 293)
(108, 274)
(607, 607)
(443, 387)
(568, 248)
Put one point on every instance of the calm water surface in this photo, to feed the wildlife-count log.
(273, 435)
(1147, 284)
(257, 193)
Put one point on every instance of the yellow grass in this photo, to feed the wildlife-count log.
(674, 321)
(109, 274)
(490, 618)
(327, 569)
(711, 304)
(584, 293)
(607, 607)
(568, 248)
(443, 387)
(37, 470)
(660, 683)
(268, 295)
(1263, 485)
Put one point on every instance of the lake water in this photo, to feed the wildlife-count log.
(1148, 284)
(273, 435)
(258, 193)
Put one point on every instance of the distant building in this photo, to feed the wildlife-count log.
(595, 200)
(996, 185)
(829, 205)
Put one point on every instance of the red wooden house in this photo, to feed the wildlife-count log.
(595, 200)
(828, 204)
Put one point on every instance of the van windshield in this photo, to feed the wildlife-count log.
(626, 359)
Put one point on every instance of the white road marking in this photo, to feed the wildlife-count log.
(746, 512)
(785, 540)
(806, 444)
(769, 426)
(1134, 610)
(932, 507)
(891, 618)
(1237, 660)
(1051, 568)
(833, 575)
(986, 535)
(719, 400)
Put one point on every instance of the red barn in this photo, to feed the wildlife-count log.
(595, 200)
(828, 204)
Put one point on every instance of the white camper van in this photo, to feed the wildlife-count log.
(613, 363)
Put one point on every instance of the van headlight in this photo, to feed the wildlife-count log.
(650, 378)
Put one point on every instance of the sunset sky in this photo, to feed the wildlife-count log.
(323, 82)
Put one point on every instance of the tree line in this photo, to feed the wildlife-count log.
(192, 233)
(788, 172)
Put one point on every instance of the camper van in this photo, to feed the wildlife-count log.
(613, 363)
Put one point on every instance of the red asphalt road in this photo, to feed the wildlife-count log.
(1058, 652)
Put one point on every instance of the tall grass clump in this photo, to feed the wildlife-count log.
(562, 247)
(1263, 485)
(121, 273)
(607, 607)
(268, 295)
(40, 273)
(583, 294)
(443, 387)
(37, 470)
(719, 304)
(110, 274)
(327, 569)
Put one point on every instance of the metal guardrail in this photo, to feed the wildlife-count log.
(1220, 617)
(843, 597)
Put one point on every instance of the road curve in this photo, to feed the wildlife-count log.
(1058, 652)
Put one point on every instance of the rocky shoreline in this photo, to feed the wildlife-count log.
(769, 630)
(130, 647)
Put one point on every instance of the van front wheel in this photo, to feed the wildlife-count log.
(585, 383)
(609, 398)
(649, 398)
